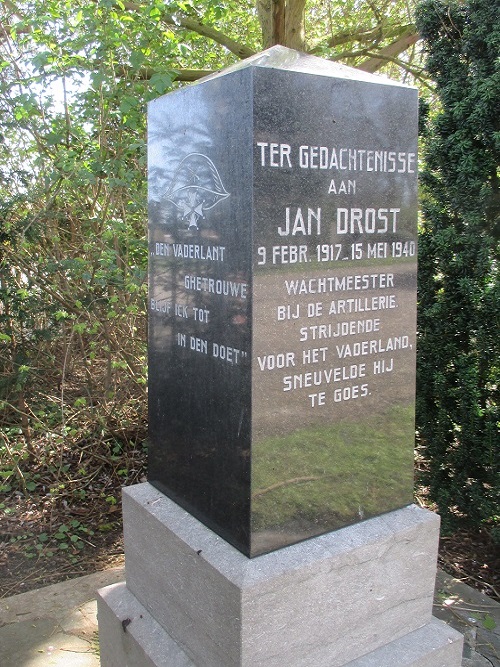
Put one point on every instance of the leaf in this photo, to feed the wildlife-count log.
(41, 59)
(161, 82)
(137, 58)
(489, 622)
(127, 103)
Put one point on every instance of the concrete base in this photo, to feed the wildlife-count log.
(358, 597)
(144, 642)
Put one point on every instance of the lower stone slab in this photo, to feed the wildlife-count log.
(322, 603)
(433, 645)
(130, 637)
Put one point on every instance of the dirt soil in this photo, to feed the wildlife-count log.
(474, 558)
(31, 557)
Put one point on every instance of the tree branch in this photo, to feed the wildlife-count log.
(239, 50)
(13, 8)
(145, 73)
(186, 22)
(367, 35)
(197, 26)
(418, 73)
(6, 28)
(376, 61)
(192, 74)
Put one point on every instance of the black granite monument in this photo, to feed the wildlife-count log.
(283, 215)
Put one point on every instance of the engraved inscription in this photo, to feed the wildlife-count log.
(350, 313)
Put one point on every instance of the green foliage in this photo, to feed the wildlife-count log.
(75, 77)
(459, 284)
(72, 198)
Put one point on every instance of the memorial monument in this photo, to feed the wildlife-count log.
(276, 526)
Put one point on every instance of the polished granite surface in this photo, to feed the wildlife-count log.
(282, 301)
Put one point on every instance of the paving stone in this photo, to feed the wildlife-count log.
(473, 614)
(55, 626)
(31, 624)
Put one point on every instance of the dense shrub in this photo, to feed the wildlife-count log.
(459, 285)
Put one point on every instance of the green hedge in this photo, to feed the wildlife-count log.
(458, 369)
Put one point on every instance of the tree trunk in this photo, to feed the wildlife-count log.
(282, 22)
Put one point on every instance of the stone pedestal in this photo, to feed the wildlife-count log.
(358, 597)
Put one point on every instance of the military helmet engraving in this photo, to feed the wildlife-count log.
(196, 187)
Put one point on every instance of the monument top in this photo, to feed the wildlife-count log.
(283, 58)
